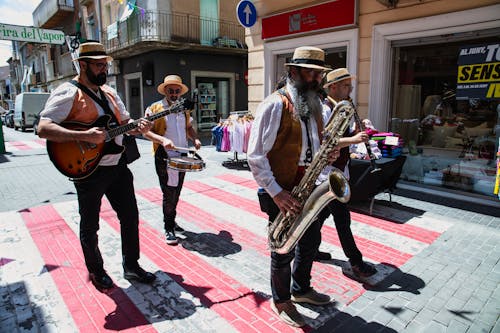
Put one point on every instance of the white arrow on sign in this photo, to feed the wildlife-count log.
(247, 12)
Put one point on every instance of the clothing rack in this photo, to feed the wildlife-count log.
(235, 162)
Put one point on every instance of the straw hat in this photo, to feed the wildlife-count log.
(309, 57)
(92, 50)
(337, 75)
(172, 79)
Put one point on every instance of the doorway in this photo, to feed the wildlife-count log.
(133, 90)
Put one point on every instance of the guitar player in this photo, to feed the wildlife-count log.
(73, 102)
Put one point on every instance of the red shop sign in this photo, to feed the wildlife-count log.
(332, 14)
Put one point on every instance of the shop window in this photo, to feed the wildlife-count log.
(212, 101)
(452, 140)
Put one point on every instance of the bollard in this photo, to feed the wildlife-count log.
(2, 144)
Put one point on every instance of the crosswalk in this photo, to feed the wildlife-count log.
(13, 146)
(215, 280)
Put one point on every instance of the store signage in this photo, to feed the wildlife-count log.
(479, 72)
(332, 14)
(30, 34)
(246, 13)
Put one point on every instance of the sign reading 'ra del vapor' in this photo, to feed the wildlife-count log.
(31, 34)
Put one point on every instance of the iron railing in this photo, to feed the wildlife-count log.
(47, 9)
(155, 26)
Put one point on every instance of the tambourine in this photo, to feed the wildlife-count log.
(186, 163)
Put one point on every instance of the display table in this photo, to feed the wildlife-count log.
(366, 184)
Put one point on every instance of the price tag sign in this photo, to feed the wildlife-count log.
(391, 140)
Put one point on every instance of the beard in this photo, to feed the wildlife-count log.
(98, 79)
(306, 97)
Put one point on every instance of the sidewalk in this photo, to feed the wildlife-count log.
(438, 266)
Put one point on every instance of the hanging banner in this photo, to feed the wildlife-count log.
(31, 34)
(479, 72)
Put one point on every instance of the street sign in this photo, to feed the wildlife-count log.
(31, 34)
(246, 13)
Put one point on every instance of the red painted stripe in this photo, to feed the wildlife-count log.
(330, 281)
(414, 232)
(251, 206)
(242, 181)
(410, 231)
(238, 305)
(370, 249)
(60, 249)
(19, 145)
(41, 142)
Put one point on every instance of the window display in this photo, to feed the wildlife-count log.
(450, 135)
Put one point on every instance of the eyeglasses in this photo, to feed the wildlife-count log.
(100, 65)
(313, 71)
(174, 91)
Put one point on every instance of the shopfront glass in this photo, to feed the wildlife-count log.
(451, 135)
(212, 101)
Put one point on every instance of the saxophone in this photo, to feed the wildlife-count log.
(287, 229)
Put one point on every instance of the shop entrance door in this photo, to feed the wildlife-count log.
(212, 101)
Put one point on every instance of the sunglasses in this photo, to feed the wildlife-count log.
(100, 65)
(174, 91)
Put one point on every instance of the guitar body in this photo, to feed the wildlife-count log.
(79, 159)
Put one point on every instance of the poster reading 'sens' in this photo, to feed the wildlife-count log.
(479, 72)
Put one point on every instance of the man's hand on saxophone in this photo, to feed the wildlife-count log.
(286, 203)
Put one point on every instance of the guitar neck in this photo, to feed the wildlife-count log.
(174, 108)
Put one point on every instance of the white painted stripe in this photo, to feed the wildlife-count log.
(431, 222)
(28, 269)
(10, 147)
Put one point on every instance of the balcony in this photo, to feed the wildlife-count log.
(154, 30)
(51, 13)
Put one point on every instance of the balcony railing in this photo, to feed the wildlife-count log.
(49, 13)
(154, 26)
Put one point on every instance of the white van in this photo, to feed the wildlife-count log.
(27, 107)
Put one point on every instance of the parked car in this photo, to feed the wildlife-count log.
(9, 119)
(28, 105)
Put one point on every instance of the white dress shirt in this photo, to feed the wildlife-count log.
(262, 137)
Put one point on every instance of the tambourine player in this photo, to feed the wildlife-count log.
(170, 132)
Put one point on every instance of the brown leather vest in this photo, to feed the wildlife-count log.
(285, 154)
(84, 109)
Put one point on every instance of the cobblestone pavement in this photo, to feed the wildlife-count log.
(438, 267)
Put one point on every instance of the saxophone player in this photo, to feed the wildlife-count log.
(338, 86)
(284, 138)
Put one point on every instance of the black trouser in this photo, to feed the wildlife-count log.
(171, 194)
(302, 256)
(342, 219)
(116, 183)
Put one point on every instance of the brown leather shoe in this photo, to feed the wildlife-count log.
(288, 313)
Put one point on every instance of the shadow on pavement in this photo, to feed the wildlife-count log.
(211, 245)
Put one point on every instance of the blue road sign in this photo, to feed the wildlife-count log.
(246, 13)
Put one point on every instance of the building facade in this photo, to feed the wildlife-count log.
(426, 70)
(198, 40)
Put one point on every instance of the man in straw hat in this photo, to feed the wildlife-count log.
(83, 100)
(284, 138)
(167, 133)
(339, 86)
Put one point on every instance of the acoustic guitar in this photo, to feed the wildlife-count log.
(79, 159)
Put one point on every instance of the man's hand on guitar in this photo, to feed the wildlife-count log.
(144, 125)
(94, 135)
